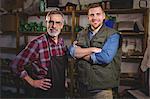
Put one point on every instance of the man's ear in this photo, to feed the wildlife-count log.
(104, 15)
(62, 25)
(88, 17)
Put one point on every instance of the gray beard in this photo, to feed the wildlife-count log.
(53, 34)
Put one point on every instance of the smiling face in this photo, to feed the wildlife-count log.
(54, 23)
(96, 17)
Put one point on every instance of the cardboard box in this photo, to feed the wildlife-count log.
(121, 4)
(9, 23)
(10, 5)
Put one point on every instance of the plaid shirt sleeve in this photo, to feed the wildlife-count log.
(28, 54)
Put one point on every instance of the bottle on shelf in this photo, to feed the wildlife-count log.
(42, 6)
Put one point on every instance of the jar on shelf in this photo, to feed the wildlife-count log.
(143, 3)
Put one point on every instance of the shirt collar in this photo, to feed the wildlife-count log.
(96, 30)
(60, 40)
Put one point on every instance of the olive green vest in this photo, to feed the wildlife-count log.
(97, 76)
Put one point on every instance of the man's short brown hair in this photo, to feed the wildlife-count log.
(94, 5)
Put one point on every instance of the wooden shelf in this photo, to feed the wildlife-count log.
(132, 59)
(39, 33)
(128, 75)
(132, 33)
(44, 13)
(32, 33)
(8, 33)
(84, 12)
(115, 11)
(67, 12)
(8, 50)
(66, 33)
(10, 14)
(125, 11)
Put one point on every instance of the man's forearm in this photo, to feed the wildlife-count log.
(29, 80)
(87, 57)
(82, 52)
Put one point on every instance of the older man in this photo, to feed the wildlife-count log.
(47, 56)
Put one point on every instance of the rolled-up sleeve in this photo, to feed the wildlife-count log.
(29, 53)
(108, 52)
(72, 50)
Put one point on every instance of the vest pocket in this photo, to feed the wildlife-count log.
(98, 42)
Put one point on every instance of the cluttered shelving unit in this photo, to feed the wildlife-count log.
(9, 29)
(134, 37)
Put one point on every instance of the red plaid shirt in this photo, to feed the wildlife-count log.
(37, 52)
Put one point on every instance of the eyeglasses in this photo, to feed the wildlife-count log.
(54, 22)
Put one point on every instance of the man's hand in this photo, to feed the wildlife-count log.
(75, 43)
(95, 50)
(67, 81)
(87, 57)
(44, 84)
